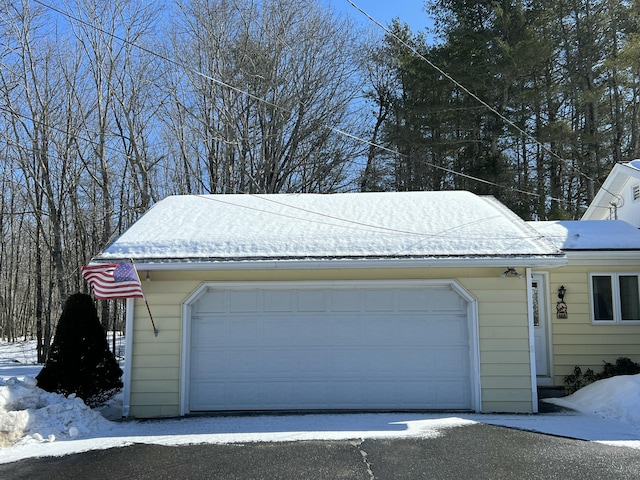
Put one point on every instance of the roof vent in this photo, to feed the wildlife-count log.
(636, 192)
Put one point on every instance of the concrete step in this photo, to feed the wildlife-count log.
(553, 391)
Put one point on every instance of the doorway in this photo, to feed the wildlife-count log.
(541, 327)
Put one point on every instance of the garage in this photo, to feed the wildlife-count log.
(337, 346)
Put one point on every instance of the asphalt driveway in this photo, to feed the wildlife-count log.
(473, 452)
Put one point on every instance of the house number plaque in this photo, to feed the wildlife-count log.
(561, 309)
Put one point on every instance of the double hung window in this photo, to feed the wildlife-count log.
(615, 297)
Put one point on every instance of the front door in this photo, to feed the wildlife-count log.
(540, 325)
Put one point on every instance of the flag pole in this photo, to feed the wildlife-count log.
(144, 297)
(155, 330)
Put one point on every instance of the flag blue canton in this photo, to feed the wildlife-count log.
(124, 272)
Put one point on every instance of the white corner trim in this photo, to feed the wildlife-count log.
(128, 353)
(532, 345)
(474, 345)
(185, 350)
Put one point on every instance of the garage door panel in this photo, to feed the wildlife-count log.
(434, 330)
(209, 363)
(385, 394)
(430, 300)
(211, 331)
(311, 361)
(279, 331)
(311, 394)
(380, 330)
(452, 361)
(378, 300)
(279, 301)
(312, 331)
(247, 332)
(243, 301)
(214, 301)
(347, 331)
(382, 362)
(452, 393)
(312, 301)
(418, 361)
(346, 301)
(348, 394)
(327, 348)
(417, 392)
(276, 363)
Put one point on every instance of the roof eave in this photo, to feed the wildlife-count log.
(537, 261)
(595, 257)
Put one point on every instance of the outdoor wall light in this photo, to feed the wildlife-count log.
(561, 292)
(148, 277)
(511, 272)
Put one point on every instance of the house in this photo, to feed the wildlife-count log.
(598, 317)
(342, 302)
(619, 196)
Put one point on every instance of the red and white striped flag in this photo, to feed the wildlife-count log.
(113, 280)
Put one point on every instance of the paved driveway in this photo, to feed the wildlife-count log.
(474, 452)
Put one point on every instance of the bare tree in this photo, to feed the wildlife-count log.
(266, 86)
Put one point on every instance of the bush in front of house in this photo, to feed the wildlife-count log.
(578, 379)
(79, 360)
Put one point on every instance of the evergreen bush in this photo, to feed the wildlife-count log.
(79, 359)
(578, 379)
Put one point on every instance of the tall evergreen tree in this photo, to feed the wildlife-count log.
(537, 98)
(79, 360)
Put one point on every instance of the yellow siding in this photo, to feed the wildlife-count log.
(504, 340)
(502, 321)
(578, 342)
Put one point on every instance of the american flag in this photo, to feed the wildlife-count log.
(113, 280)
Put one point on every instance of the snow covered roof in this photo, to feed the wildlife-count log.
(399, 225)
(590, 234)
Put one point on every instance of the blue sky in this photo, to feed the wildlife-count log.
(409, 11)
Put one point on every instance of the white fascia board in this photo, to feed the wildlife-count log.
(603, 257)
(535, 262)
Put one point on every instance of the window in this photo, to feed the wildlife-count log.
(615, 297)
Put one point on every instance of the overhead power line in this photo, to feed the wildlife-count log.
(332, 128)
(512, 124)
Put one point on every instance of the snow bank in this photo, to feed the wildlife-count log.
(616, 398)
(35, 423)
(28, 414)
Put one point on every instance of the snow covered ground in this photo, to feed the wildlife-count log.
(34, 423)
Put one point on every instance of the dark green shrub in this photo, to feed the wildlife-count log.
(79, 359)
(577, 379)
(623, 366)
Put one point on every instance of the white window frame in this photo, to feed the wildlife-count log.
(615, 291)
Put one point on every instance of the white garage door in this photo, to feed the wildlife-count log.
(339, 347)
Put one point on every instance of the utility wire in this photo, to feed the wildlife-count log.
(332, 128)
(413, 50)
(461, 86)
(353, 224)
